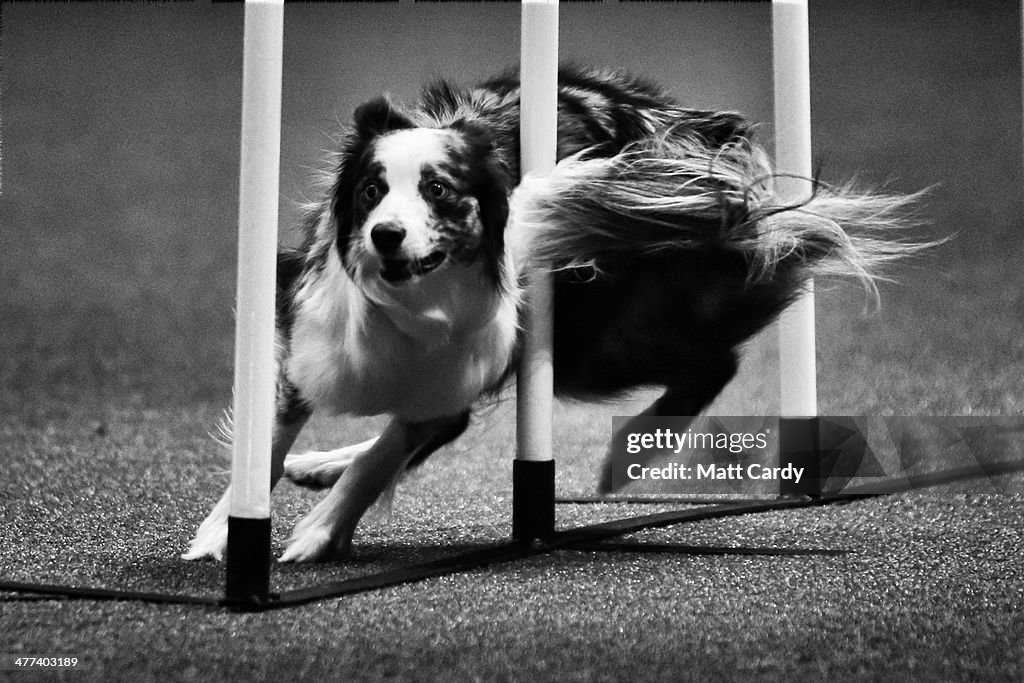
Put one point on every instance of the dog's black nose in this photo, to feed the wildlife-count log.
(387, 237)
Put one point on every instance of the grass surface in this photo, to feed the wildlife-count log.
(120, 171)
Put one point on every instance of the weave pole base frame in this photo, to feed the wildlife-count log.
(586, 538)
(247, 585)
(533, 499)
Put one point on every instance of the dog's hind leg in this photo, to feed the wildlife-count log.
(684, 400)
(211, 540)
(320, 469)
(326, 532)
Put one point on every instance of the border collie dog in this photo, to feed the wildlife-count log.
(667, 246)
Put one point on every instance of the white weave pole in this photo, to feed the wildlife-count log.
(798, 437)
(793, 159)
(533, 474)
(248, 558)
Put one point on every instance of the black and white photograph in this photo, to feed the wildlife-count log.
(499, 341)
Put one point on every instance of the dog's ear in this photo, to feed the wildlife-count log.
(379, 116)
(477, 135)
(491, 185)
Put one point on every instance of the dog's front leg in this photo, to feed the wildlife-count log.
(326, 532)
(211, 540)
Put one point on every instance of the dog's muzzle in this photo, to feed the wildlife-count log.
(387, 239)
(399, 270)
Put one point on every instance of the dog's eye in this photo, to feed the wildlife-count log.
(438, 190)
(371, 191)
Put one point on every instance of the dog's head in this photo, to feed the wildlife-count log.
(413, 203)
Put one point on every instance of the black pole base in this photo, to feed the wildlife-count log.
(248, 564)
(533, 499)
(800, 446)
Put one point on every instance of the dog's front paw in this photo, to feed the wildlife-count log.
(211, 539)
(211, 542)
(320, 536)
(313, 543)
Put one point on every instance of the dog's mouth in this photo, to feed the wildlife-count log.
(399, 270)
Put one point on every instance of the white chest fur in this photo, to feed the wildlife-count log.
(427, 352)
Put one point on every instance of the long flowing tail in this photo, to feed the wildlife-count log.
(676, 191)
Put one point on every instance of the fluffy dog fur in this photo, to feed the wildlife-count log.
(668, 247)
